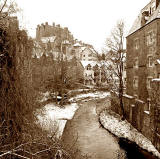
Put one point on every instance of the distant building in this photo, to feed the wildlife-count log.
(54, 39)
(84, 52)
(94, 73)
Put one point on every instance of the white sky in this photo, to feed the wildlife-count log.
(88, 20)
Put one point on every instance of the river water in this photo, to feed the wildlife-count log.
(84, 133)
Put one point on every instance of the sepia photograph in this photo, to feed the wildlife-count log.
(79, 79)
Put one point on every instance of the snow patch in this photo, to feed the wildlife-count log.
(53, 118)
(125, 129)
(98, 95)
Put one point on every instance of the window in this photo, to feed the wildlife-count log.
(153, 7)
(125, 81)
(150, 38)
(89, 67)
(135, 64)
(135, 82)
(150, 61)
(148, 104)
(151, 50)
(149, 82)
(73, 52)
(136, 44)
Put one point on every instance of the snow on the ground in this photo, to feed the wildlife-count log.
(94, 95)
(53, 118)
(124, 129)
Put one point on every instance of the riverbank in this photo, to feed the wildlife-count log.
(53, 118)
(123, 129)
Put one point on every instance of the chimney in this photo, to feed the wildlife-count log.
(38, 27)
(66, 28)
(53, 24)
(58, 25)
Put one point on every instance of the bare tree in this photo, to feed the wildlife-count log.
(8, 7)
(115, 45)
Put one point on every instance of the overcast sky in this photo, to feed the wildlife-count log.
(88, 20)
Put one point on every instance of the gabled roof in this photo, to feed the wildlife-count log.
(77, 45)
(92, 63)
(91, 49)
(137, 23)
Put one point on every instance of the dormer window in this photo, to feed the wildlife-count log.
(145, 16)
(153, 7)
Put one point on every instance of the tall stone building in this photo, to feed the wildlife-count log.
(54, 38)
(143, 54)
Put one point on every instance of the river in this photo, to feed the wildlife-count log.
(85, 133)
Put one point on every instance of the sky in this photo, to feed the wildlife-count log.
(90, 21)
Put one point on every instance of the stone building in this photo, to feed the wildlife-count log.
(57, 41)
(84, 52)
(54, 39)
(143, 54)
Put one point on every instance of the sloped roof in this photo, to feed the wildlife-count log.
(94, 63)
(137, 23)
(77, 45)
(91, 49)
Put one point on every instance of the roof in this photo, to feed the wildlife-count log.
(94, 63)
(91, 49)
(77, 45)
(137, 23)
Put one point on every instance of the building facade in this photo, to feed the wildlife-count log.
(143, 54)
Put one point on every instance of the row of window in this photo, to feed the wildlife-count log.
(150, 40)
(148, 82)
(149, 62)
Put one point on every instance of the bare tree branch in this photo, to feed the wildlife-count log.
(3, 6)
